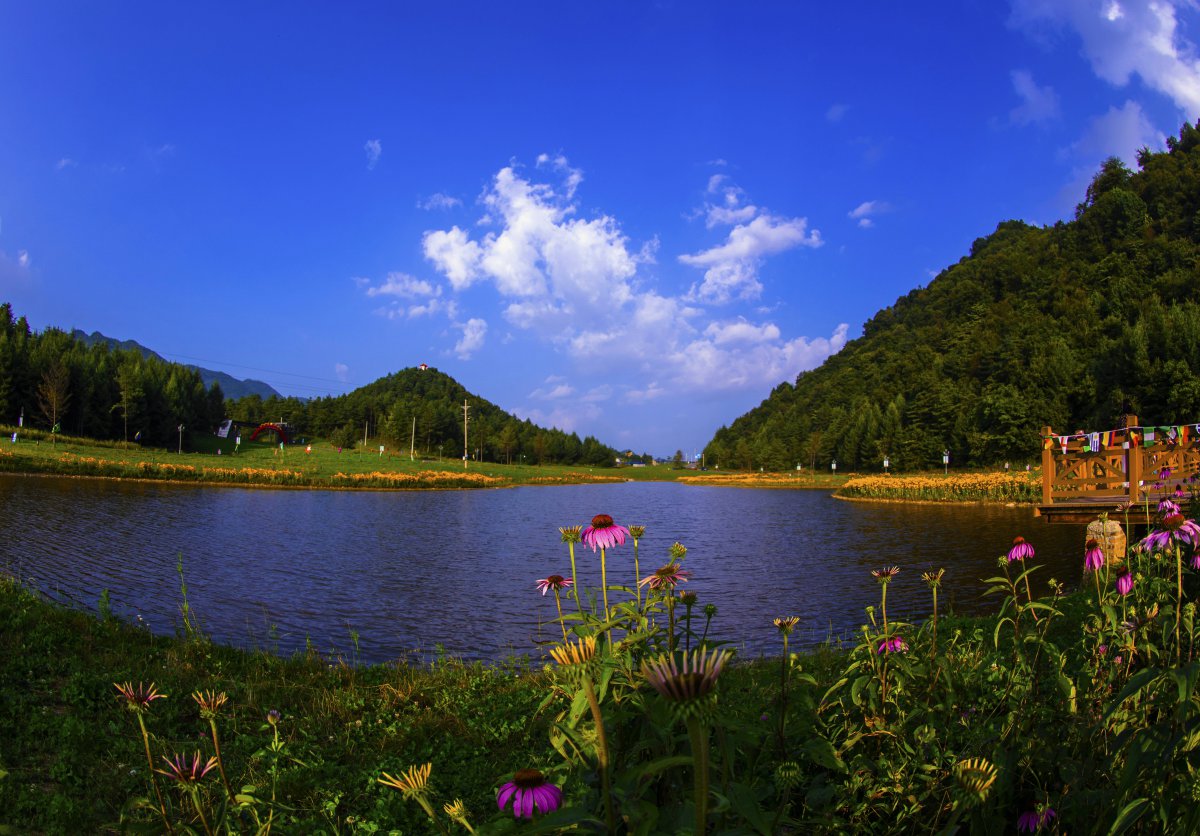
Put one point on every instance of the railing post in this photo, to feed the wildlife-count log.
(1133, 460)
(1047, 467)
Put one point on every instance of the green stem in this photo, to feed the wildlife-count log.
(670, 621)
(195, 793)
(604, 583)
(601, 751)
(1178, 598)
(220, 762)
(162, 807)
(783, 683)
(699, 738)
(575, 578)
(637, 573)
(561, 621)
(1029, 594)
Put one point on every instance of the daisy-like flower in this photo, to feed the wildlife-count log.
(603, 533)
(787, 624)
(1093, 556)
(1020, 550)
(1032, 820)
(1124, 583)
(1174, 529)
(976, 776)
(665, 577)
(186, 770)
(885, 574)
(1167, 507)
(529, 792)
(893, 645)
(691, 680)
(575, 653)
(571, 534)
(210, 703)
(138, 699)
(553, 582)
(413, 781)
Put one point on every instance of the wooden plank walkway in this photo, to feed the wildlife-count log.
(1086, 474)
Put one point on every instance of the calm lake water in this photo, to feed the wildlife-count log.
(410, 571)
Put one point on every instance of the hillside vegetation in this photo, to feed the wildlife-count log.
(1068, 326)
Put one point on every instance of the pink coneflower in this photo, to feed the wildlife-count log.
(665, 577)
(694, 678)
(1174, 529)
(138, 699)
(1166, 507)
(529, 792)
(603, 533)
(893, 645)
(185, 770)
(1020, 550)
(1093, 556)
(555, 582)
(1124, 583)
(885, 574)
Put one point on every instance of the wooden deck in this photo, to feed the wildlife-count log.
(1086, 474)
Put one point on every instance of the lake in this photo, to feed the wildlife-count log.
(414, 573)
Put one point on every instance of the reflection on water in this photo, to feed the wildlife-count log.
(407, 572)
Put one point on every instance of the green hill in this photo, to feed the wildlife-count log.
(1068, 325)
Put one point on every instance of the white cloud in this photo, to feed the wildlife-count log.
(572, 176)
(1121, 132)
(741, 331)
(22, 258)
(704, 364)
(1123, 39)
(864, 213)
(373, 148)
(438, 201)
(836, 112)
(342, 371)
(65, 162)
(474, 331)
(405, 287)
(555, 389)
(454, 254)
(1038, 104)
(733, 266)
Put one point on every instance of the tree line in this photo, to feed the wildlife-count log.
(50, 380)
(1068, 326)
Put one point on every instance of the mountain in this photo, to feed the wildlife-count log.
(1067, 326)
(230, 386)
(423, 408)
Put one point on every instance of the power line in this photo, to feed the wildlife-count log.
(253, 368)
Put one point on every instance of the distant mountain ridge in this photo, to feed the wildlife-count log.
(231, 386)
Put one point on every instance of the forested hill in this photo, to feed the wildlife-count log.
(386, 410)
(1062, 326)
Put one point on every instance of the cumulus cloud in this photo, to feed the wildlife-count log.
(373, 149)
(342, 371)
(438, 201)
(1124, 38)
(1120, 132)
(864, 212)
(569, 279)
(1038, 104)
(474, 331)
(404, 286)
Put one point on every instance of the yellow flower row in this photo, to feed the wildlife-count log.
(1011, 487)
(422, 477)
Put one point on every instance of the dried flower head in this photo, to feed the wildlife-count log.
(688, 678)
(187, 770)
(571, 534)
(678, 551)
(885, 574)
(575, 653)
(933, 578)
(688, 599)
(710, 610)
(529, 792)
(413, 781)
(138, 699)
(637, 532)
(787, 624)
(210, 703)
(975, 776)
(456, 810)
(665, 577)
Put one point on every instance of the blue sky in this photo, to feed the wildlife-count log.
(628, 220)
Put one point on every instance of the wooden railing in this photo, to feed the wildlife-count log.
(1122, 465)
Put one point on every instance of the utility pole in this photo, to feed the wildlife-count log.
(412, 443)
(465, 408)
(365, 420)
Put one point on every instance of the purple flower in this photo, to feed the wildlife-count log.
(1196, 561)
(893, 645)
(603, 533)
(554, 582)
(187, 770)
(1093, 556)
(1166, 507)
(1102, 649)
(1020, 550)
(1164, 473)
(665, 577)
(529, 792)
(1124, 583)
(1032, 820)
(1174, 529)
